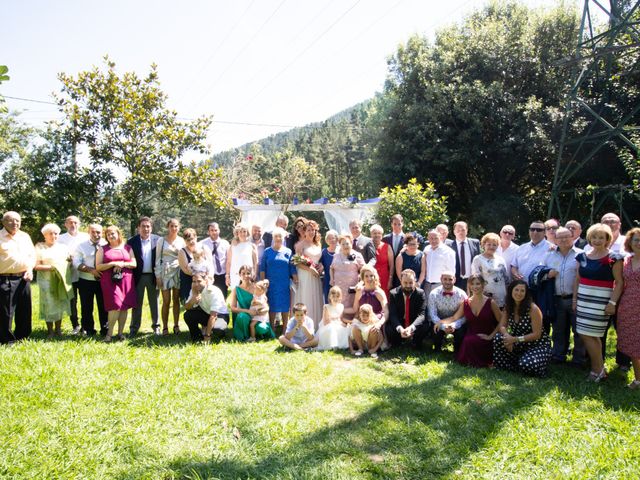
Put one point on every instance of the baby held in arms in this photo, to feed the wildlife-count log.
(259, 307)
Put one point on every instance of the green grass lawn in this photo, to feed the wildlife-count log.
(162, 408)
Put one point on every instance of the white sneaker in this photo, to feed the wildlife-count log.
(76, 330)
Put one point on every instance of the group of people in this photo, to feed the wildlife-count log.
(502, 305)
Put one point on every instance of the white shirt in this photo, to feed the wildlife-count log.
(508, 257)
(86, 254)
(467, 257)
(72, 242)
(147, 248)
(397, 239)
(221, 251)
(443, 306)
(529, 256)
(211, 300)
(439, 260)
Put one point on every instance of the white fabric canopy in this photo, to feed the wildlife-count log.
(337, 216)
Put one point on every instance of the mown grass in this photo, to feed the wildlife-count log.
(155, 407)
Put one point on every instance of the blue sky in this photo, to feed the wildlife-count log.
(277, 63)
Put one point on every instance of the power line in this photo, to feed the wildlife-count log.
(220, 45)
(237, 56)
(305, 50)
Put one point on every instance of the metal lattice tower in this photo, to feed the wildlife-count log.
(597, 56)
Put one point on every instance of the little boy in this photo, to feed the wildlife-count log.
(299, 333)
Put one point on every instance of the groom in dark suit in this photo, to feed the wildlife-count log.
(396, 238)
(465, 248)
(144, 249)
(407, 310)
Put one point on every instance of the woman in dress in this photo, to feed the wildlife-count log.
(240, 301)
(492, 267)
(242, 252)
(297, 234)
(481, 314)
(276, 267)
(593, 293)
(168, 274)
(629, 305)
(410, 258)
(116, 262)
(309, 290)
(345, 270)
(384, 259)
(331, 239)
(54, 279)
(184, 257)
(371, 294)
(521, 344)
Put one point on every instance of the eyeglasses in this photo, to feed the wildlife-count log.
(532, 229)
(563, 238)
(572, 228)
(551, 228)
(508, 233)
(412, 244)
(611, 221)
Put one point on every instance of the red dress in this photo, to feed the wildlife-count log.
(118, 295)
(475, 351)
(628, 311)
(382, 266)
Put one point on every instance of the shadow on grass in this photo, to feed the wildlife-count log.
(422, 430)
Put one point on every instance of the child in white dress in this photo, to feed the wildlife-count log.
(259, 307)
(332, 331)
(362, 335)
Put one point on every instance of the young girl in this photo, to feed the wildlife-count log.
(333, 332)
(259, 307)
(363, 334)
(200, 263)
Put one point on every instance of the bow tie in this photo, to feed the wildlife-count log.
(447, 294)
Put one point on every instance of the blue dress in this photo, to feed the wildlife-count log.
(277, 268)
(325, 260)
(414, 263)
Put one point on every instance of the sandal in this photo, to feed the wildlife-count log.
(165, 331)
(358, 353)
(207, 339)
(107, 339)
(176, 329)
(121, 337)
(597, 377)
(635, 385)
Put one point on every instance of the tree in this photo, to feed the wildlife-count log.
(3, 78)
(45, 184)
(420, 206)
(125, 124)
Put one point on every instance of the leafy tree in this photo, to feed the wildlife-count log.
(3, 78)
(125, 124)
(420, 206)
(45, 184)
(15, 137)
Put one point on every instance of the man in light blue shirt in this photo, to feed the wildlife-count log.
(531, 254)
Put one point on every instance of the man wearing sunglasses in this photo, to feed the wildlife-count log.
(531, 254)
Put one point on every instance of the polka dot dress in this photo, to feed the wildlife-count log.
(530, 358)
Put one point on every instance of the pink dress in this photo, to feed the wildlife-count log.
(629, 311)
(475, 351)
(345, 275)
(121, 294)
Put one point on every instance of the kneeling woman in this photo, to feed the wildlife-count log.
(240, 301)
(521, 344)
(481, 314)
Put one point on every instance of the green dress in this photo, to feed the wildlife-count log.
(242, 320)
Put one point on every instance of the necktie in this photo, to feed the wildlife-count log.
(407, 313)
(447, 294)
(354, 243)
(463, 261)
(216, 258)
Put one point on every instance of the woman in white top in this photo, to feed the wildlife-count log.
(492, 267)
(242, 252)
(168, 274)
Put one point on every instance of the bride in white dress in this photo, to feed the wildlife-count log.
(309, 290)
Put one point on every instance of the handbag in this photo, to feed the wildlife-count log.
(116, 276)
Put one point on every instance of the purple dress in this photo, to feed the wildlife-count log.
(118, 295)
(475, 351)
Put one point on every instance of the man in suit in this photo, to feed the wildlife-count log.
(396, 238)
(283, 222)
(576, 230)
(407, 309)
(362, 244)
(465, 248)
(144, 249)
